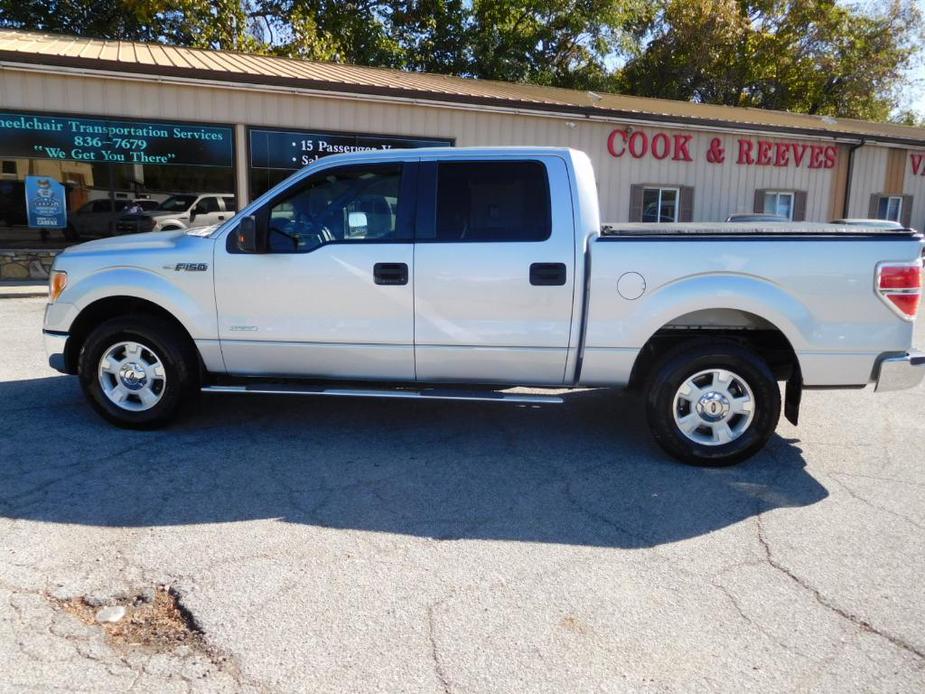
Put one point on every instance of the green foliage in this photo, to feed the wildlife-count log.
(810, 56)
(552, 42)
(813, 56)
(198, 23)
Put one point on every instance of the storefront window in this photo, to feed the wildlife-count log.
(660, 205)
(890, 207)
(109, 169)
(276, 154)
(779, 203)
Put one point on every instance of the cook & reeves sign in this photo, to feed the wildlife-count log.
(638, 144)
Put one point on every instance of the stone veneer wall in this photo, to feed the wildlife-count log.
(26, 264)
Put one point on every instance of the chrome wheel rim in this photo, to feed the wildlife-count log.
(714, 407)
(132, 376)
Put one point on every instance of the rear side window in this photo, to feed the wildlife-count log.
(492, 201)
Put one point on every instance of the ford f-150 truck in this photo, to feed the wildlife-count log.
(459, 273)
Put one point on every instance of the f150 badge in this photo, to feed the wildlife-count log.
(189, 267)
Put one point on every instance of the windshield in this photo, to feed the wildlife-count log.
(177, 203)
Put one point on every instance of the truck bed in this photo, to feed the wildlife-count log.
(795, 279)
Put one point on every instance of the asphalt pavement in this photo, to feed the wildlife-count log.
(327, 545)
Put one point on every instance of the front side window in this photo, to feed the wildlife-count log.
(890, 208)
(350, 204)
(206, 205)
(660, 205)
(492, 201)
(779, 203)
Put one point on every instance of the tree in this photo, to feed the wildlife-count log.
(561, 42)
(810, 56)
(198, 23)
(566, 43)
(107, 19)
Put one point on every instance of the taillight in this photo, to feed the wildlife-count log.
(900, 286)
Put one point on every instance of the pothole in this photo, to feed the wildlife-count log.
(151, 620)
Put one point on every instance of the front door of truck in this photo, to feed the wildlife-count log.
(334, 296)
(494, 271)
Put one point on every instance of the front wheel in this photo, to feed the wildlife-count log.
(137, 371)
(712, 403)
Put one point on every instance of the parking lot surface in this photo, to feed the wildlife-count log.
(363, 545)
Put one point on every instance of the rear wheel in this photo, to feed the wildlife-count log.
(136, 372)
(712, 403)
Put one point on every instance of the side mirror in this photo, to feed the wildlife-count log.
(248, 238)
(356, 222)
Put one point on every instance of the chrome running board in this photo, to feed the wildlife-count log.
(423, 394)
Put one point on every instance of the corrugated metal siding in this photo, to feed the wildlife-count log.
(868, 177)
(895, 168)
(720, 189)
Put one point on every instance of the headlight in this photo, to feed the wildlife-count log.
(57, 281)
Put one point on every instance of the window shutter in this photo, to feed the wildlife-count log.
(636, 203)
(759, 200)
(874, 208)
(686, 211)
(906, 214)
(799, 205)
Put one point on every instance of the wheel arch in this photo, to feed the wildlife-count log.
(743, 327)
(104, 309)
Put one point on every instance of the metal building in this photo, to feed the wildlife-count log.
(120, 123)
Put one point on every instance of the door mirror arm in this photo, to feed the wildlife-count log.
(249, 238)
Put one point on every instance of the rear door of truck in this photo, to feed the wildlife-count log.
(494, 270)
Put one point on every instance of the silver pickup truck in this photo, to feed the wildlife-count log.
(459, 273)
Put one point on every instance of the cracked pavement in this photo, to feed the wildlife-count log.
(347, 545)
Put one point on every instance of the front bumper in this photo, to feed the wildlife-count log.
(901, 372)
(55, 344)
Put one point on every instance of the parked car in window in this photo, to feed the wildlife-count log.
(756, 217)
(188, 211)
(98, 217)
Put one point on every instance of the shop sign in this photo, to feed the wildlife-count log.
(98, 141)
(639, 144)
(46, 206)
(276, 149)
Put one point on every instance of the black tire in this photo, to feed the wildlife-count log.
(683, 362)
(172, 348)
